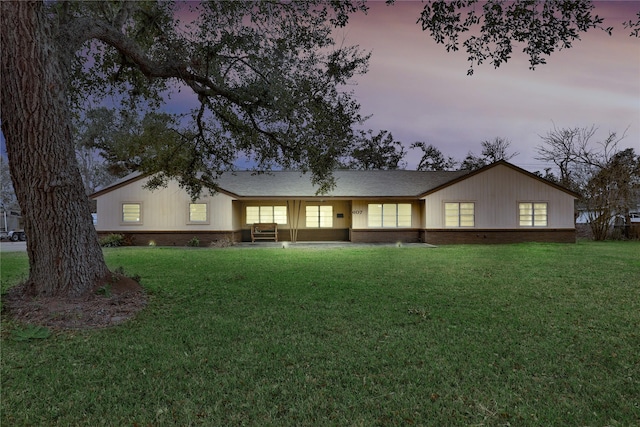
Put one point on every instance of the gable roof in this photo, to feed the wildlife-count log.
(349, 183)
(493, 165)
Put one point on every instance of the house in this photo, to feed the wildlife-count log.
(500, 203)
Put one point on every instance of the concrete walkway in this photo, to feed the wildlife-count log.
(328, 245)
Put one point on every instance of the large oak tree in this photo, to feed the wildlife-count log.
(267, 75)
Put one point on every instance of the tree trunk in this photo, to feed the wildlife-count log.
(65, 258)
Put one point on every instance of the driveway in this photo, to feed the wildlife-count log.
(8, 246)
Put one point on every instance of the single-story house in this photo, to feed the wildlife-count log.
(500, 203)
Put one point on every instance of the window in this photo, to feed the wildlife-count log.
(132, 213)
(389, 215)
(459, 214)
(198, 212)
(532, 214)
(319, 216)
(277, 214)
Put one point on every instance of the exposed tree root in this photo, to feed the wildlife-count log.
(114, 300)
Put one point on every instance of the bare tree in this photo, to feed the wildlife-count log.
(606, 178)
(497, 150)
(563, 148)
(433, 159)
(492, 151)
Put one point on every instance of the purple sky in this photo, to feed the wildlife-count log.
(419, 92)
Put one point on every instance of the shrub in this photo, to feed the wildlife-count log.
(112, 241)
(195, 242)
(224, 242)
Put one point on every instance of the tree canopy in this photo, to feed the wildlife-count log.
(269, 77)
(379, 151)
(494, 27)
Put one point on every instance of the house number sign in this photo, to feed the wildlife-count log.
(357, 212)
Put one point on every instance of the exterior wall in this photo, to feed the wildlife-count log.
(308, 235)
(164, 209)
(489, 236)
(175, 238)
(297, 213)
(389, 235)
(496, 193)
(362, 233)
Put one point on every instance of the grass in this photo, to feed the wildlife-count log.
(527, 335)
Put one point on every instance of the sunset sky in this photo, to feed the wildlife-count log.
(419, 92)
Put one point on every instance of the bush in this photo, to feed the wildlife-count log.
(195, 242)
(224, 242)
(112, 241)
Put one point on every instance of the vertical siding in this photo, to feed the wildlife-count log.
(164, 209)
(496, 194)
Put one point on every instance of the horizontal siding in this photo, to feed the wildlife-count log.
(496, 194)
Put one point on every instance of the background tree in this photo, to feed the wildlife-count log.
(433, 159)
(94, 127)
(606, 178)
(564, 148)
(492, 151)
(611, 189)
(379, 151)
(7, 193)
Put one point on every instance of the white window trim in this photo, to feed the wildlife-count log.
(246, 219)
(318, 217)
(123, 222)
(533, 213)
(208, 214)
(381, 225)
(458, 202)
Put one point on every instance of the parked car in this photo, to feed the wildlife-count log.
(634, 216)
(14, 236)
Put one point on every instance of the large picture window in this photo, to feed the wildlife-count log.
(131, 213)
(459, 214)
(532, 214)
(277, 214)
(198, 212)
(319, 216)
(389, 215)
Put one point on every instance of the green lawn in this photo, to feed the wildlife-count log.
(521, 335)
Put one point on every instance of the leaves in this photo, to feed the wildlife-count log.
(379, 151)
(267, 82)
(497, 26)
